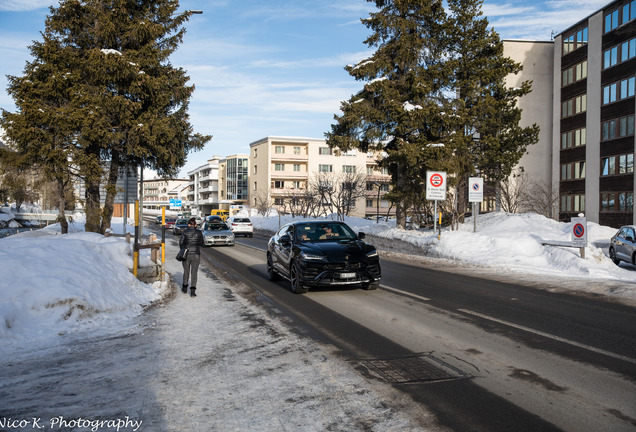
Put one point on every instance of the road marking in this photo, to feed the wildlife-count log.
(404, 293)
(549, 336)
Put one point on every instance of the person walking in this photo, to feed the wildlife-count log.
(191, 238)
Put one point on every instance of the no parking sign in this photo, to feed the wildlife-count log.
(579, 231)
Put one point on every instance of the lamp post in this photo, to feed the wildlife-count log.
(377, 203)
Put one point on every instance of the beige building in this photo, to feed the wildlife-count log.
(281, 167)
(159, 192)
(203, 188)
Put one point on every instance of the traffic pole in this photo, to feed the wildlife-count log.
(163, 243)
(136, 243)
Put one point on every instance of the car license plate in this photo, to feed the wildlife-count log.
(347, 275)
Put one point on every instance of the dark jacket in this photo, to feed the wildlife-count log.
(192, 238)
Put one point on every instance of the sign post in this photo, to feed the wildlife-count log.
(475, 195)
(578, 229)
(436, 190)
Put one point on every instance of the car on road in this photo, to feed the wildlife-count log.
(314, 254)
(217, 234)
(158, 220)
(179, 226)
(218, 219)
(241, 225)
(623, 245)
(170, 221)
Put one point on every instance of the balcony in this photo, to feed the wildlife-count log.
(289, 157)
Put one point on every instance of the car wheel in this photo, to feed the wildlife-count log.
(371, 286)
(612, 254)
(294, 277)
(251, 235)
(273, 275)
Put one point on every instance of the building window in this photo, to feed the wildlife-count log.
(349, 169)
(573, 203)
(369, 203)
(617, 201)
(278, 184)
(255, 185)
(574, 106)
(574, 73)
(619, 164)
(573, 171)
(324, 150)
(611, 21)
(573, 138)
(369, 170)
(619, 53)
(325, 168)
(255, 152)
(296, 150)
(617, 128)
(279, 149)
(575, 41)
(255, 169)
(297, 167)
(619, 90)
(279, 167)
(279, 201)
(350, 153)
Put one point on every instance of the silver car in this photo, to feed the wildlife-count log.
(623, 245)
(217, 234)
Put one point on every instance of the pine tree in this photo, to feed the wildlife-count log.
(135, 103)
(125, 102)
(435, 83)
(488, 138)
(398, 112)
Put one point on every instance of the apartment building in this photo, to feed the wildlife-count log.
(203, 188)
(233, 181)
(281, 167)
(159, 192)
(593, 115)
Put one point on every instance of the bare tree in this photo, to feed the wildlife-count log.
(337, 193)
(511, 190)
(542, 197)
(262, 205)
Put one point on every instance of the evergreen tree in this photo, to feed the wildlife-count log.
(135, 103)
(398, 112)
(122, 101)
(488, 139)
(42, 131)
(435, 83)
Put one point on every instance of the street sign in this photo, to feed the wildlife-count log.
(436, 185)
(475, 189)
(579, 232)
(175, 204)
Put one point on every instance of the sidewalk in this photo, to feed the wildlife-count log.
(215, 362)
(228, 367)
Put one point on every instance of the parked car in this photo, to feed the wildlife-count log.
(216, 219)
(623, 245)
(170, 222)
(179, 226)
(241, 225)
(217, 233)
(322, 253)
(158, 220)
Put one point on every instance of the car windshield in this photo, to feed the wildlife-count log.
(182, 222)
(324, 232)
(215, 227)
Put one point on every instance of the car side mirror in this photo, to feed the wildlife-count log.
(285, 239)
(361, 235)
(629, 238)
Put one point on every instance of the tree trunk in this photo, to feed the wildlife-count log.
(61, 216)
(92, 206)
(111, 191)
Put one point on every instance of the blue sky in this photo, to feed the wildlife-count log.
(274, 67)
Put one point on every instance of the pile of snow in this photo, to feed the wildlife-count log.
(510, 242)
(54, 284)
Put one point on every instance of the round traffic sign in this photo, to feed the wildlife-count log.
(437, 180)
(578, 230)
(476, 187)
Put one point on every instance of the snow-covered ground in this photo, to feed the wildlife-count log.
(217, 360)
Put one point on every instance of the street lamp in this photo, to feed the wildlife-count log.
(377, 203)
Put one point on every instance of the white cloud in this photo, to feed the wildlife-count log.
(25, 5)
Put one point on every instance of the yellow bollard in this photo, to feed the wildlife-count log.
(136, 244)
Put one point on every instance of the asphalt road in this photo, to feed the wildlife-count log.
(483, 354)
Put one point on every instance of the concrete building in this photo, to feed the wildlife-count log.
(281, 167)
(233, 181)
(593, 115)
(159, 192)
(203, 188)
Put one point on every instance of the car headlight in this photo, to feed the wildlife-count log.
(373, 253)
(312, 257)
